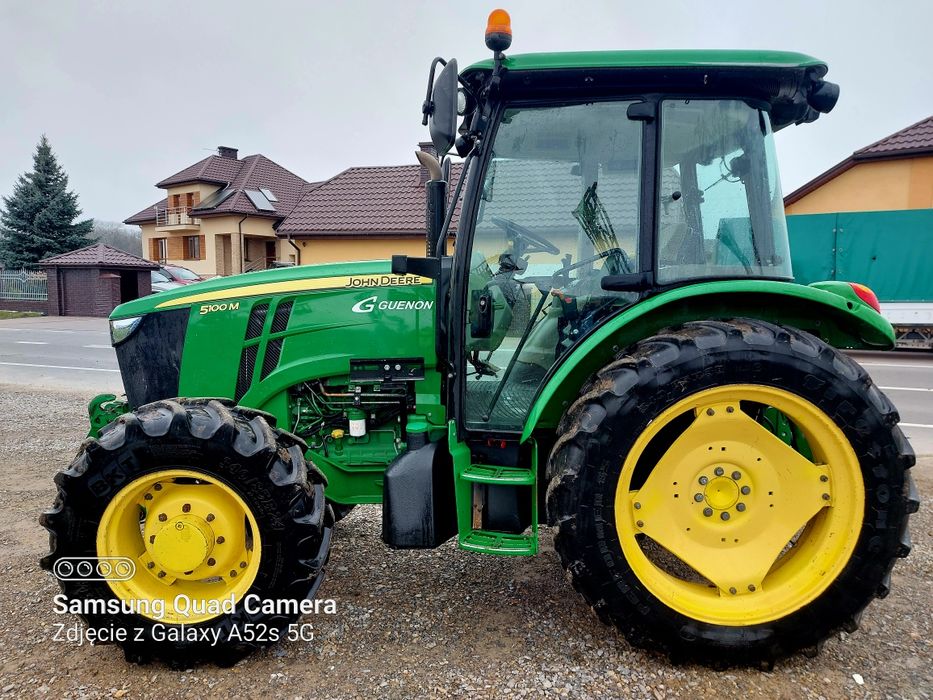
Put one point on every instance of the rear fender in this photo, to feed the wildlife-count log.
(832, 312)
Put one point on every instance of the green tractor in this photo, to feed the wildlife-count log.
(616, 348)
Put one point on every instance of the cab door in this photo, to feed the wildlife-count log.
(556, 209)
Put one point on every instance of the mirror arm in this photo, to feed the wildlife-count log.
(426, 267)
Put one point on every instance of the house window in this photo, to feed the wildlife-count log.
(159, 249)
(193, 248)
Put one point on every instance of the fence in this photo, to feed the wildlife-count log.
(23, 285)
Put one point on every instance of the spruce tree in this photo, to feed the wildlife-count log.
(38, 219)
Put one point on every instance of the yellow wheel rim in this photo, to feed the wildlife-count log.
(195, 543)
(733, 526)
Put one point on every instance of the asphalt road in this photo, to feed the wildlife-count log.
(64, 352)
(75, 354)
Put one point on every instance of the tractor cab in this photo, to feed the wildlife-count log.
(590, 182)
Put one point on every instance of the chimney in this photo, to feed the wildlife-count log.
(427, 147)
(226, 152)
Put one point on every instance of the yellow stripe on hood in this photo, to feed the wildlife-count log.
(305, 285)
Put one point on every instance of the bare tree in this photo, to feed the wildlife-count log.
(117, 235)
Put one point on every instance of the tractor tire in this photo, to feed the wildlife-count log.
(699, 524)
(240, 514)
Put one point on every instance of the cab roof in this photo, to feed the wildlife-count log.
(665, 58)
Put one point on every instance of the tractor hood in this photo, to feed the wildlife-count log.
(287, 280)
(250, 337)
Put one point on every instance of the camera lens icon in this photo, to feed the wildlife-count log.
(94, 569)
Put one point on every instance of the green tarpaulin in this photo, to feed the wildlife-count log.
(890, 251)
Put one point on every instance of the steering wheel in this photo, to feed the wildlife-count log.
(536, 242)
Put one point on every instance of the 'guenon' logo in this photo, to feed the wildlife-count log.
(367, 305)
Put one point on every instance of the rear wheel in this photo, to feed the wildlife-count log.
(186, 510)
(731, 492)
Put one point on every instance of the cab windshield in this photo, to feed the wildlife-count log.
(720, 210)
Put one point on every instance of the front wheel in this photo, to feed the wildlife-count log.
(731, 492)
(190, 531)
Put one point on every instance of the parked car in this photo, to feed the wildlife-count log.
(181, 275)
(162, 282)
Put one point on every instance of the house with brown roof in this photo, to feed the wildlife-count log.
(363, 213)
(218, 216)
(895, 173)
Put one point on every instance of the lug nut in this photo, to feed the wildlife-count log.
(825, 496)
(724, 516)
(751, 587)
(148, 496)
(220, 540)
(707, 512)
(162, 517)
(730, 409)
(746, 490)
(157, 487)
(698, 497)
(232, 573)
(161, 574)
(733, 591)
(186, 508)
(736, 475)
(242, 564)
(151, 539)
(719, 471)
(640, 523)
(211, 561)
(703, 480)
(824, 478)
(710, 412)
(210, 517)
(739, 507)
(637, 505)
(150, 565)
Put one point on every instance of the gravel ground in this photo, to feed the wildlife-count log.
(417, 624)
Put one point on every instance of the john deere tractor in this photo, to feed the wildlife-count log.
(615, 348)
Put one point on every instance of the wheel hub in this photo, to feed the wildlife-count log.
(182, 545)
(721, 493)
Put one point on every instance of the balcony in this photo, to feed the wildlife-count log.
(176, 219)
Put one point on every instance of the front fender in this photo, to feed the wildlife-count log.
(832, 313)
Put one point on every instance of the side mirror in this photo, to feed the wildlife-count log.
(442, 122)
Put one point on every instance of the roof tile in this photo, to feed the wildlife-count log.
(258, 171)
(147, 214)
(249, 173)
(916, 137)
(378, 200)
(99, 255)
(215, 169)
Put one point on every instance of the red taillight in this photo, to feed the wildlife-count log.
(866, 295)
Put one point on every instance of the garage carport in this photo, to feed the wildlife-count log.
(92, 281)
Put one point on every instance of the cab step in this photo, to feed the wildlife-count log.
(501, 543)
(503, 476)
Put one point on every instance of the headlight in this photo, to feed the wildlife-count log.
(122, 328)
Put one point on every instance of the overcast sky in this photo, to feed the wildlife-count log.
(130, 92)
